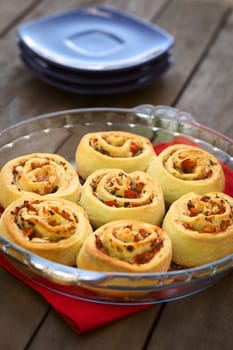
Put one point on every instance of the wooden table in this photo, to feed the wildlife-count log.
(199, 82)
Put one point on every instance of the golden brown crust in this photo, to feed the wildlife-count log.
(182, 169)
(111, 194)
(126, 246)
(52, 228)
(200, 228)
(41, 175)
(113, 149)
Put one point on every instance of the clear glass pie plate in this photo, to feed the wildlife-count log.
(60, 133)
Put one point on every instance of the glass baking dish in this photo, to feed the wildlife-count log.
(60, 132)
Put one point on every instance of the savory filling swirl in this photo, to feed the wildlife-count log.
(131, 243)
(211, 213)
(45, 221)
(40, 175)
(190, 164)
(117, 144)
(118, 189)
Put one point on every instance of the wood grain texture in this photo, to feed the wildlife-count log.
(202, 321)
(20, 315)
(209, 96)
(128, 333)
(10, 13)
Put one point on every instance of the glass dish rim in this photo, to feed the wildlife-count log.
(87, 277)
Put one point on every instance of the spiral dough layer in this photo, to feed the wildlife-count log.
(181, 169)
(200, 228)
(113, 149)
(41, 175)
(111, 194)
(126, 246)
(52, 228)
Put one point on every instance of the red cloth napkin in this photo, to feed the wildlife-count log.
(82, 315)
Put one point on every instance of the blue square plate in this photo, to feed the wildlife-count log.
(87, 87)
(153, 68)
(95, 38)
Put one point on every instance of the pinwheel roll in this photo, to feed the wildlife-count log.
(181, 169)
(200, 228)
(111, 194)
(113, 149)
(40, 174)
(52, 228)
(126, 246)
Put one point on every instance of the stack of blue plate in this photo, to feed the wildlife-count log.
(95, 50)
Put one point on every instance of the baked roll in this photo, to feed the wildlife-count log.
(113, 149)
(40, 174)
(126, 246)
(200, 228)
(55, 229)
(181, 169)
(111, 194)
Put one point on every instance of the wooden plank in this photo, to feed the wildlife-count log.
(203, 321)
(11, 12)
(21, 93)
(146, 9)
(22, 311)
(209, 95)
(127, 333)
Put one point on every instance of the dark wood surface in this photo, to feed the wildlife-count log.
(200, 82)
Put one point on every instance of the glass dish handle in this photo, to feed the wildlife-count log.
(163, 111)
